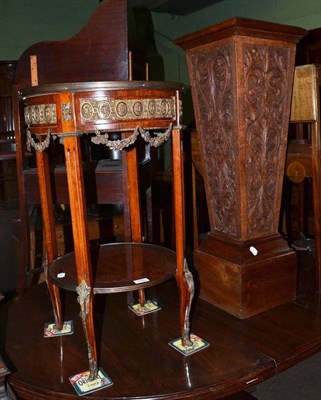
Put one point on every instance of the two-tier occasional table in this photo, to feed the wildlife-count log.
(148, 111)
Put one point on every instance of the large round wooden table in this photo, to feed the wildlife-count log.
(134, 350)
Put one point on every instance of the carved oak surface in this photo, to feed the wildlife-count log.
(215, 105)
(265, 74)
(243, 159)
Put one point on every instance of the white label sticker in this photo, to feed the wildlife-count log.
(253, 250)
(142, 280)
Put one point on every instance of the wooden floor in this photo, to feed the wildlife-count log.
(134, 350)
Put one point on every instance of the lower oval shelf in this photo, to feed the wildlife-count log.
(117, 266)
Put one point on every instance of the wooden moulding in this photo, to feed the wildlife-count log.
(241, 73)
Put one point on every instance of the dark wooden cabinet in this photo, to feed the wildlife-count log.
(8, 173)
(7, 71)
(309, 48)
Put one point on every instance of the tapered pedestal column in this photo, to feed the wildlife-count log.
(241, 72)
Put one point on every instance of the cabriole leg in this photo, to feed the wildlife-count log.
(85, 299)
(188, 343)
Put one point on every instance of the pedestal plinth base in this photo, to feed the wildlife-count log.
(241, 283)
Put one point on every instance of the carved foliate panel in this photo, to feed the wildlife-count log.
(215, 104)
(265, 77)
(243, 151)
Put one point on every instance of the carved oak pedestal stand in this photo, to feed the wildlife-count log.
(241, 73)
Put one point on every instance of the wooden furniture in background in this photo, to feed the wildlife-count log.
(104, 182)
(64, 61)
(7, 71)
(102, 229)
(303, 156)
(309, 48)
(241, 73)
(199, 215)
(8, 173)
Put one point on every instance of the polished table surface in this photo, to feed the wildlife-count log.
(134, 350)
